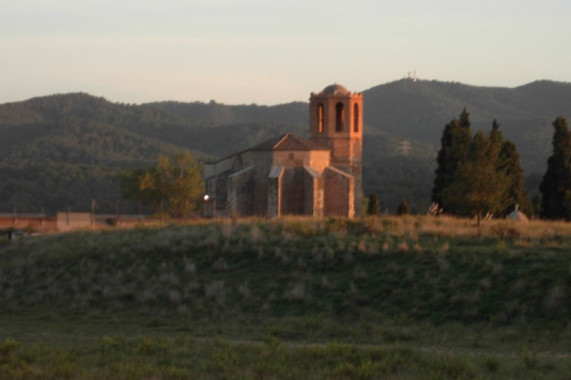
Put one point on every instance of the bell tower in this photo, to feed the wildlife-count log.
(336, 120)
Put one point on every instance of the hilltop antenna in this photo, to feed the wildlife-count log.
(411, 75)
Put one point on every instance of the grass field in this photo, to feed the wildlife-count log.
(411, 297)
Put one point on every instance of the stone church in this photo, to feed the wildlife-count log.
(291, 175)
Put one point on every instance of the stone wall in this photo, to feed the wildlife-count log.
(240, 192)
(339, 193)
(293, 190)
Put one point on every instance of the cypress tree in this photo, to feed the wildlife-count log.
(511, 191)
(476, 185)
(515, 192)
(403, 208)
(464, 118)
(487, 177)
(555, 187)
(496, 138)
(373, 207)
(455, 144)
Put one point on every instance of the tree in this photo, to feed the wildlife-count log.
(515, 192)
(555, 186)
(455, 144)
(132, 188)
(464, 119)
(174, 187)
(510, 190)
(373, 207)
(486, 175)
(403, 208)
(477, 185)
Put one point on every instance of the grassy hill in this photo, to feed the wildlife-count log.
(412, 297)
(439, 270)
(82, 133)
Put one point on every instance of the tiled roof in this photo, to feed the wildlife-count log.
(289, 141)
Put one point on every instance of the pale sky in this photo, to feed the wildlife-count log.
(273, 51)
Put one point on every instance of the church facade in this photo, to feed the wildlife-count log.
(291, 175)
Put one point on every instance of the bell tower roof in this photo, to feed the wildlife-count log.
(335, 89)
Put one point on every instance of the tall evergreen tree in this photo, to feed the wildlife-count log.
(403, 207)
(476, 184)
(487, 177)
(455, 144)
(512, 191)
(373, 206)
(555, 187)
(496, 138)
(464, 118)
(515, 192)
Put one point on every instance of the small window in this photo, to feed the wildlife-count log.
(291, 156)
(339, 117)
(356, 118)
(320, 113)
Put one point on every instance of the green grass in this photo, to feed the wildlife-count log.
(126, 351)
(180, 358)
(357, 298)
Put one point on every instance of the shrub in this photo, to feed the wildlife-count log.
(529, 357)
(491, 364)
(403, 208)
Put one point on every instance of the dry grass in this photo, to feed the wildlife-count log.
(451, 227)
(408, 226)
(393, 264)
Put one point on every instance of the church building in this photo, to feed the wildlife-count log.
(291, 175)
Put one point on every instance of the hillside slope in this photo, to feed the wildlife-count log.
(420, 110)
(440, 271)
(404, 120)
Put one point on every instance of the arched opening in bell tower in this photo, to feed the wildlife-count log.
(355, 117)
(339, 117)
(320, 113)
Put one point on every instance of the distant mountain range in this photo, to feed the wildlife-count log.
(61, 151)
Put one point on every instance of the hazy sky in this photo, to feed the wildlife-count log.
(273, 51)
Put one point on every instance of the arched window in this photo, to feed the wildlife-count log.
(355, 117)
(320, 113)
(339, 117)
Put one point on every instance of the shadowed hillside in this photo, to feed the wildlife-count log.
(420, 110)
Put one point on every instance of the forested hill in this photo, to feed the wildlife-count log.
(62, 151)
(419, 110)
